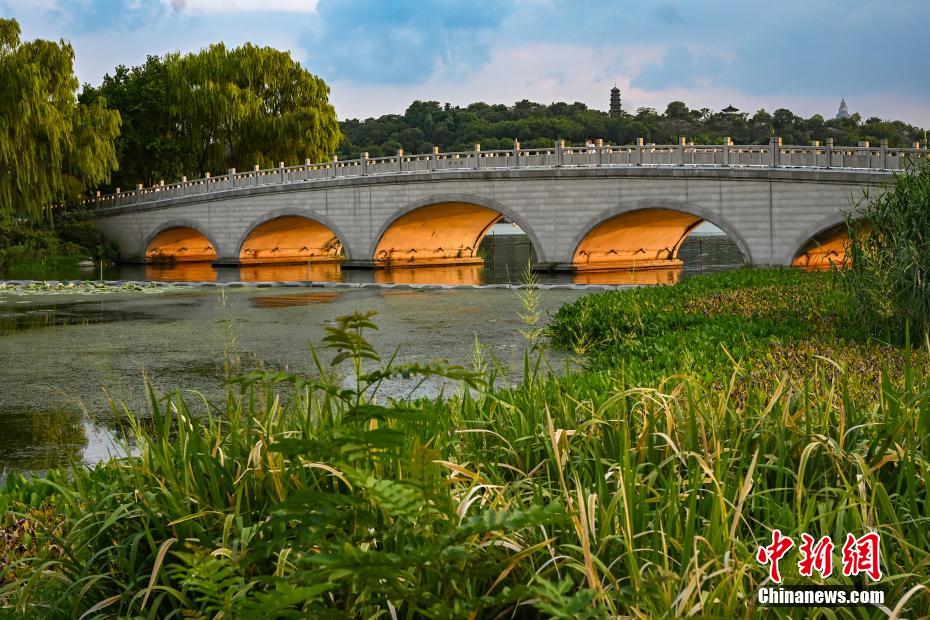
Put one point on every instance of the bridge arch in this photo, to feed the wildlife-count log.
(665, 214)
(475, 215)
(313, 230)
(820, 244)
(177, 234)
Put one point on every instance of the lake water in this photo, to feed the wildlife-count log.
(73, 362)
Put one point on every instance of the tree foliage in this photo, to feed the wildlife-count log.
(146, 148)
(217, 109)
(453, 128)
(52, 148)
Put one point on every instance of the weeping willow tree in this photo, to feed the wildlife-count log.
(51, 148)
(249, 105)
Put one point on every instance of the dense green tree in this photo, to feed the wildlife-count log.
(147, 148)
(249, 105)
(677, 109)
(52, 148)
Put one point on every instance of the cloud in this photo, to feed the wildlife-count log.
(680, 67)
(102, 15)
(237, 6)
(378, 55)
(401, 42)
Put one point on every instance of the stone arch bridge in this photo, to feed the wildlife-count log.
(595, 208)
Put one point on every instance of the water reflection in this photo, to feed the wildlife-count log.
(307, 272)
(291, 301)
(17, 320)
(458, 274)
(625, 277)
(181, 272)
(42, 440)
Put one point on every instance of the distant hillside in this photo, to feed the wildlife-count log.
(454, 128)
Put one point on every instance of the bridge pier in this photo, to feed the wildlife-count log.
(226, 261)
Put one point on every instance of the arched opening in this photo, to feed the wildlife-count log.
(824, 250)
(644, 239)
(290, 239)
(439, 234)
(180, 244)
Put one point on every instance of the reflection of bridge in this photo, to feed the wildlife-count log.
(582, 208)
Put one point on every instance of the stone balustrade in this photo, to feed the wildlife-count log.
(863, 157)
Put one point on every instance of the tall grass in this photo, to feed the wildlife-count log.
(581, 496)
(889, 275)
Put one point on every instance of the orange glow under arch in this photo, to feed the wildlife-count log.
(644, 239)
(440, 234)
(824, 250)
(181, 244)
(290, 239)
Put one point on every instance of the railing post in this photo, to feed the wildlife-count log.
(883, 153)
(184, 186)
(477, 156)
(599, 148)
(335, 162)
(774, 148)
(432, 159)
(281, 171)
(559, 145)
(829, 152)
(400, 160)
(639, 151)
(727, 143)
(516, 153)
(363, 163)
(681, 150)
(231, 178)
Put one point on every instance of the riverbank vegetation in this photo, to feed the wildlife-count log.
(642, 486)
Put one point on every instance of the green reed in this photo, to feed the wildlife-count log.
(889, 274)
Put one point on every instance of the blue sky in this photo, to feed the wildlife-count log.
(379, 55)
